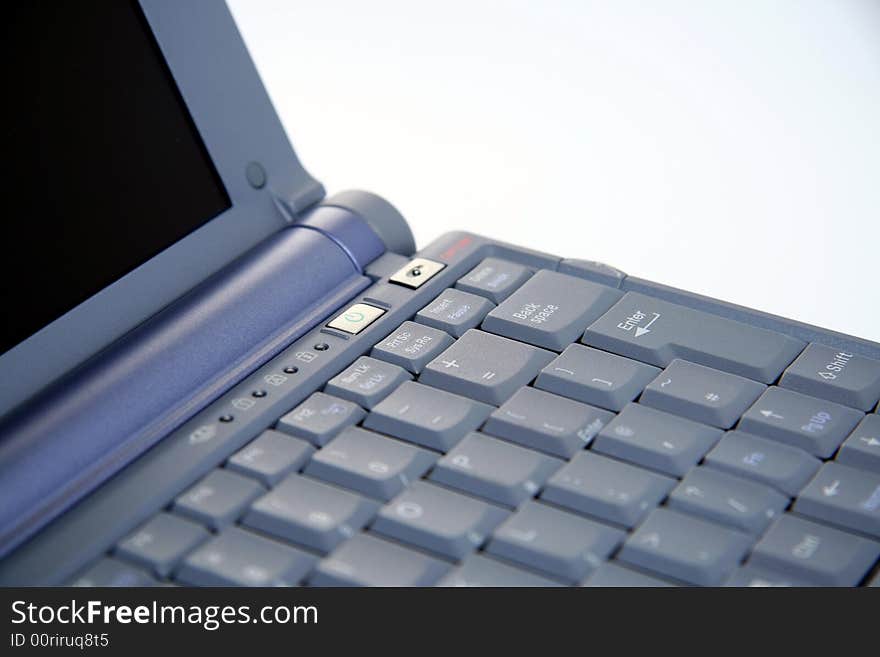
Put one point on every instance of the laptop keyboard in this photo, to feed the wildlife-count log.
(537, 429)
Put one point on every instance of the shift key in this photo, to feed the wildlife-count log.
(657, 332)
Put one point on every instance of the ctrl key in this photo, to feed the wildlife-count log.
(815, 553)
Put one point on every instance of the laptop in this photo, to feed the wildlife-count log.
(212, 373)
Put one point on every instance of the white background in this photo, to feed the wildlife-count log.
(729, 148)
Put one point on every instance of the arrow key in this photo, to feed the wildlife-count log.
(814, 425)
(862, 448)
(843, 496)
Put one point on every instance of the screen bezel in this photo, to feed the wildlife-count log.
(238, 125)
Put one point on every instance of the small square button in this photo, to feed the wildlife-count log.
(356, 318)
(417, 272)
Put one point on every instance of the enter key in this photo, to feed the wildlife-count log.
(657, 332)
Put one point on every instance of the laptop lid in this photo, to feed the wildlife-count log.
(143, 154)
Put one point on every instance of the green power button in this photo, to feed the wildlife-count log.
(356, 318)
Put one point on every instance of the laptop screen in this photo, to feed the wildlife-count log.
(103, 166)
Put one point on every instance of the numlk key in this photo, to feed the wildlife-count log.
(550, 310)
(367, 381)
(485, 367)
(657, 332)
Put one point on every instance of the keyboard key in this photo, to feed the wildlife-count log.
(161, 543)
(843, 496)
(729, 500)
(412, 346)
(550, 310)
(218, 499)
(549, 423)
(701, 393)
(485, 367)
(607, 489)
(479, 570)
(553, 541)
(785, 468)
(310, 513)
(862, 448)
(493, 469)
(369, 561)
(657, 332)
(426, 416)
(369, 463)
(438, 520)
(239, 558)
(835, 375)
(611, 574)
(455, 312)
(112, 572)
(367, 381)
(754, 577)
(685, 548)
(271, 456)
(596, 377)
(319, 418)
(814, 425)
(815, 553)
(656, 440)
(494, 279)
